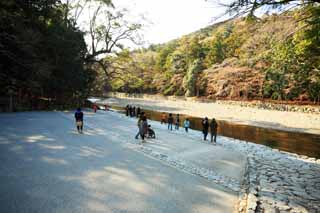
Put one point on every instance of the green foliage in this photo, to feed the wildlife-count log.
(163, 55)
(169, 90)
(220, 46)
(41, 53)
(295, 63)
(190, 79)
(241, 7)
(275, 85)
(216, 52)
(177, 62)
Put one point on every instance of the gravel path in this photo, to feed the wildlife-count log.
(46, 166)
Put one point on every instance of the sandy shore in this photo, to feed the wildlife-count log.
(291, 121)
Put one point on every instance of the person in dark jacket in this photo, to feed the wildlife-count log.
(138, 112)
(127, 110)
(177, 123)
(78, 115)
(205, 128)
(170, 122)
(143, 127)
(213, 129)
(133, 111)
(130, 110)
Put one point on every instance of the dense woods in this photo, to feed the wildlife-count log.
(42, 55)
(275, 57)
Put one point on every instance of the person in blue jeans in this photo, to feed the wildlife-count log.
(186, 124)
(177, 123)
(205, 128)
(170, 122)
(139, 125)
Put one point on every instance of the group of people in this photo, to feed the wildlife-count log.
(171, 121)
(213, 129)
(132, 111)
(145, 129)
(186, 124)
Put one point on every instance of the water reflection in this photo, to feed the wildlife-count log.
(295, 142)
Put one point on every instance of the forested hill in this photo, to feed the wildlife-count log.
(272, 57)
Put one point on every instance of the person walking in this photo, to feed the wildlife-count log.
(186, 124)
(177, 123)
(163, 118)
(78, 115)
(139, 125)
(213, 129)
(205, 128)
(170, 121)
(143, 127)
(95, 108)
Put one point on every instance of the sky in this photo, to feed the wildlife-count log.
(170, 19)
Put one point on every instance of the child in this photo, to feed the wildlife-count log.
(186, 124)
(163, 118)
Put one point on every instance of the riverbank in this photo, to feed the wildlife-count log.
(288, 106)
(274, 119)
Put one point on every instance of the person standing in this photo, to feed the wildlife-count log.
(78, 115)
(186, 124)
(205, 128)
(163, 118)
(170, 121)
(95, 108)
(134, 111)
(177, 123)
(127, 110)
(130, 110)
(213, 129)
(138, 111)
(143, 127)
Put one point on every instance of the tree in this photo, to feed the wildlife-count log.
(108, 31)
(249, 7)
(190, 79)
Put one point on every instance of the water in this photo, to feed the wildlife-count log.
(294, 142)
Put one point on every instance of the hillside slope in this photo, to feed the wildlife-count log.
(275, 57)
